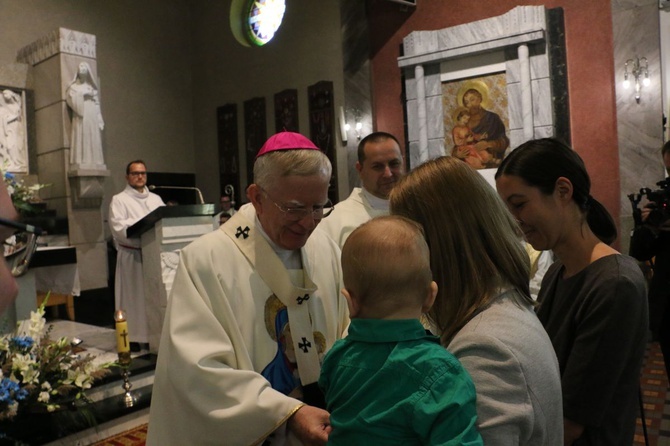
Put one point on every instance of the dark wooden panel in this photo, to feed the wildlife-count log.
(322, 126)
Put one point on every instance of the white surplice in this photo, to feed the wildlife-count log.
(126, 208)
(225, 337)
(349, 214)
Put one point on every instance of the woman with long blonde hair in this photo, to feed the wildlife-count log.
(483, 311)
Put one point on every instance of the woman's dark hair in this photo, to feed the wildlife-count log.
(666, 148)
(541, 162)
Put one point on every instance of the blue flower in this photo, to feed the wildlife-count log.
(7, 389)
(9, 175)
(22, 343)
(21, 395)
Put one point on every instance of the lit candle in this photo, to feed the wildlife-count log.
(122, 340)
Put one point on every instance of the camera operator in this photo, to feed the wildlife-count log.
(656, 214)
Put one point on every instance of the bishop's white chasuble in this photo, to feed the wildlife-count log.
(241, 333)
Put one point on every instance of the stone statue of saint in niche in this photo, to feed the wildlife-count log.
(87, 123)
(13, 152)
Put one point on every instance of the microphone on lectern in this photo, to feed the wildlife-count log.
(202, 200)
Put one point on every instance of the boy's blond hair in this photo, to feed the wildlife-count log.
(386, 264)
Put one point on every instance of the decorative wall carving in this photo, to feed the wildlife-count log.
(13, 131)
(255, 132)
(62, 40)
(229, 161)
(519, 43)
(286, 111)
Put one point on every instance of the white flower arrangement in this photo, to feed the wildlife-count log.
(38, 374)
(23, 197)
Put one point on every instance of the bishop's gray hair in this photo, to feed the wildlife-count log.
(272, 166)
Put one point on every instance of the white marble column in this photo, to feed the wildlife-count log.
(421, 112)
(77, 190)
(526, 92)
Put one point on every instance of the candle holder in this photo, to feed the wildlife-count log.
(129, 399)
(123, 349)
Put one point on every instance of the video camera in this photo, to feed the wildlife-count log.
(659, 202)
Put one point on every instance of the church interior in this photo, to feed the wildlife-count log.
(183, 88)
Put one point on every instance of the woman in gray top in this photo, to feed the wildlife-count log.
(592, 300)
(483, 312)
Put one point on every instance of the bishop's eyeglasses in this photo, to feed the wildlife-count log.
(20, 247)
(293, 213)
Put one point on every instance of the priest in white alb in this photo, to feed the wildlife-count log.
(380, 166)
(254, 307)
(127, 208)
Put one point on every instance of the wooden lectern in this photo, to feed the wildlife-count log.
(163, 233)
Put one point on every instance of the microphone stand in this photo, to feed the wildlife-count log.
(202, 200)
(21, 226)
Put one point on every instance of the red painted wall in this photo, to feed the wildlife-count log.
(588, 29)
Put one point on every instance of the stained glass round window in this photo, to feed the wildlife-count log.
(264, 18)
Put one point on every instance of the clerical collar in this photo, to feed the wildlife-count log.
(290, 258)
(376, 202)
(139, 194)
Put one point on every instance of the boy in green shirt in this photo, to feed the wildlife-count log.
(389, 382)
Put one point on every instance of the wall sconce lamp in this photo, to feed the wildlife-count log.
(638, 67)
(357, 127)
(345, 126)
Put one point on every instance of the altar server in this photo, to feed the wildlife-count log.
(254, 307)
(380, 166)
(126, 208)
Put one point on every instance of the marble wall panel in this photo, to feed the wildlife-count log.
(431, 79)
(539, 63)
(516, 138)
(629, 4)
(420, 42)
(434, 117)
(414, 155)
(412, 120)
(514, 106)
(558, 72)
(471, 33)
(52, 128)
(47, 81)
(60, 205)
(542, 112)
(85, 226)
(52, 168)
(436, 148)
(94, 256)
(544, 132)
(410, 83)
(16, 75)
(466, 42)
(640, 133)
(520, 20)
(512, 66)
